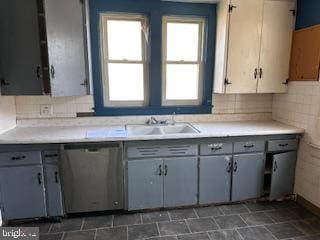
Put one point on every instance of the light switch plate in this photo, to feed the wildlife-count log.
(45, 109)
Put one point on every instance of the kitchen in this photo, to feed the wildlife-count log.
(154, 119)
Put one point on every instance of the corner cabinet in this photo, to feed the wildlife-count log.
(253, 46)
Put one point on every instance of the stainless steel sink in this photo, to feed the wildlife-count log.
(141, 130)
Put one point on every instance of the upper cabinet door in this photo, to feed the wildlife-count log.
(66, 47)
(245, 25)
(20, 61)
(278, 25)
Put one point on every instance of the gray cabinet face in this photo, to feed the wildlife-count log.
(283, 174)
(53, 190)
(247, 180)
(180, 181)
(22, 192)
(66, 47)
(215, 179)
(19, 48)
(145, 184)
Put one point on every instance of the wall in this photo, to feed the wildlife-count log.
(308, 13)
(229, 107)
(7, 113)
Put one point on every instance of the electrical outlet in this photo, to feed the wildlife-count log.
(45, 109)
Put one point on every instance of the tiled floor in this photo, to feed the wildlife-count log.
(268, 221)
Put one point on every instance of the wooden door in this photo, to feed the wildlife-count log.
(244, 45)
(278, 26)
(305, 57)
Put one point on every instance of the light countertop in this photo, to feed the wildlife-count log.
(59, 134)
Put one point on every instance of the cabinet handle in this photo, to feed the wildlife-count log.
(56, 177)
(165, 170)
(275, 166)
(160, 170)
(229, 167)
(38, 72)
(50, 155)
(235, 168)
(260, 73)
(248, 146)
(255, 73)
(52, 71)
(18, 158)
(283, 144)
(215, 147)
(39, 178)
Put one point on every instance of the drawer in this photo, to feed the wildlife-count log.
(249, 146)
(282, 145)
(162, 151)
(215, 148)
(51, 156)
(20, 158)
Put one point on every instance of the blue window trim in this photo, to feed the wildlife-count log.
(154, 10)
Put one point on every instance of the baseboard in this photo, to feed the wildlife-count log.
(308, 205)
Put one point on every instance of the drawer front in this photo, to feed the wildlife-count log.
(249, 146)
(20, 158)
(162, 151)
(215, 148)
(282, 145)
(51, 156)
(144, 152)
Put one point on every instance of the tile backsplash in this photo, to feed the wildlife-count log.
(7, 113)
(28, 107)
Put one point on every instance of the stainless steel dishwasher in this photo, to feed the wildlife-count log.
(92, 177)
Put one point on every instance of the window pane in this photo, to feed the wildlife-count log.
(182, 82)
(126, 82)
(124, 40)
(182, 41)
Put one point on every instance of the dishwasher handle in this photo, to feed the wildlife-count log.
(92, 147)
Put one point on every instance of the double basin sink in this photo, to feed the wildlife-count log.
(140, 130)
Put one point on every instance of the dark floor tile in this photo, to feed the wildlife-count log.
(284, 204)
(315, 237)
(283, 215)
(173, 228)
(155, 217)
(164, 238)
(258, 207)
(314, 223)
(117, 233)
(230, 222)
(194, 236)
(284, 230)
(209, 211)
(44, 227)
(234, 209)
(258, 218)
(225, 235)
(53, 236)
(202, 225)
(70, 224)
(302, 213)
(79, 235)
(182, 214)
(305, 227)
(254, 233)
(97, 222)
(126, 219)
(137, 232)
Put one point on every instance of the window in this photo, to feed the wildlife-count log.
(124, 59)
(152, 57)
(182, 60)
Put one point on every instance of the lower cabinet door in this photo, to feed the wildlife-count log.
(53, 193)
(22, 192)
(282, 181)
(145, 184)
(180, 181)
(215, 179)
(248, 175)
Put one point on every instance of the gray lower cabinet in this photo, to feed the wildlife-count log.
(283, 173)
(22, 192)
(247, 178)
(215, 179)
(180, 181)
(145, 184)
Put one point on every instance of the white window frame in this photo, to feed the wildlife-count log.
(104, 17)
(200, 62)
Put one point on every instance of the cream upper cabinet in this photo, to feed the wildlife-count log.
(253, 46)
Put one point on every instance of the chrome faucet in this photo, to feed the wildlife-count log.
(152, 121)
